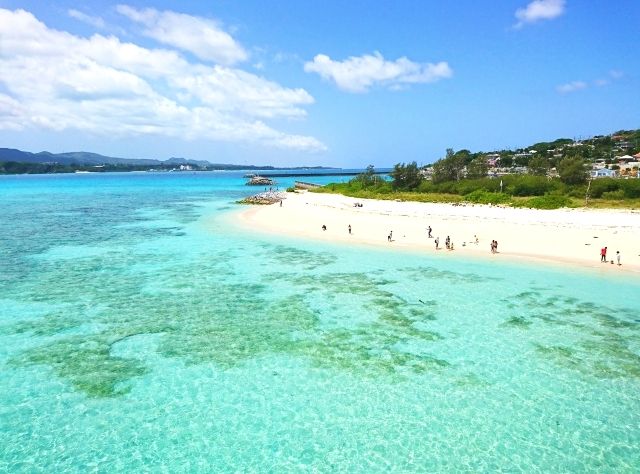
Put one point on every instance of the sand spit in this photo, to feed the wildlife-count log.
(563, 236)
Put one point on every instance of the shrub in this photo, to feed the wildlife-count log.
(531, 186)
(613, 195)
(603, 185)
(483, 197)
(631, 188)
(545, 202)
(577, 192)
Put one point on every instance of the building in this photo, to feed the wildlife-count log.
(603, 173)
(493, 159)
(625, 159)
(630, 169)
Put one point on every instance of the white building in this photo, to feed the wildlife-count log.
(603, 173)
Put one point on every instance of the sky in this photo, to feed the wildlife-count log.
(306, 82)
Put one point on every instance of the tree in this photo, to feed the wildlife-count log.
(572, 170)
(406, 177)
(449, 168)
(368, 178)
(506, 160)
(523, 159)
(463, 156)
(478, 168)
(538, 166)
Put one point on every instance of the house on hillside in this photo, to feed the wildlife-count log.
(493, 159)
(630, 169)
(603, 173)
(625, 159)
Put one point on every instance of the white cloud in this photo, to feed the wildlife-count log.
(54, 80)
(572, 87)
(200, 36)
(539, 10)
(359, 74)
(94, 21)
(575, 86)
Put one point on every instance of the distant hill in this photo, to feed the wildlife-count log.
(83, 158)
(86, 158)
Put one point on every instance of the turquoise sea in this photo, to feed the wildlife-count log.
(140, 331)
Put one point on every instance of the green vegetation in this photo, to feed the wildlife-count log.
(530, 191)
(547, 175)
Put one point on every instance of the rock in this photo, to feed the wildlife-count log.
(268, 197)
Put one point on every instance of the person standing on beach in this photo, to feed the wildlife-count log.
(349, 229)
(603, 254)
(618, 257)
(437, 242)
(429, 232)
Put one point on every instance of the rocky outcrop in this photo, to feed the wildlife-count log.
(260, 181)
(268, 197)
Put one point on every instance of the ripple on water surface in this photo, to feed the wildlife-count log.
(162, 341)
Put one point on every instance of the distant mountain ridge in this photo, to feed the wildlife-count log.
(87, 158)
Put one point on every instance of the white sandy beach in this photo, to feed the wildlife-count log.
(564, 236)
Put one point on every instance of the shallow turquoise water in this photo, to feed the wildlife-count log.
(140, 331)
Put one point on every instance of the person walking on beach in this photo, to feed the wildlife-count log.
(618, 257)
(349, 229)
(447, 241)
(429, 232)
(437, 242)
(603, 254)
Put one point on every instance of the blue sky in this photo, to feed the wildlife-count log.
(341, 83)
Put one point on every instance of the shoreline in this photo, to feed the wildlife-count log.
(564, 237)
